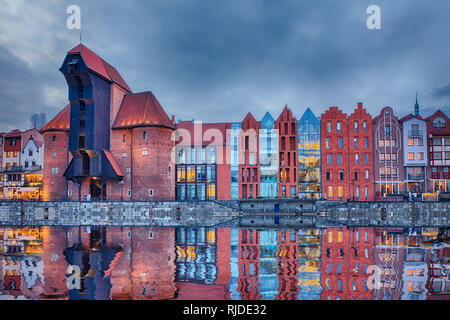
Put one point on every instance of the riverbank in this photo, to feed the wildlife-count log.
(256, 212)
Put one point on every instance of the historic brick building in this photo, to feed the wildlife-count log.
(288, 165)
(110, 143)
(335, 155)
(361, 154)
(249, 158)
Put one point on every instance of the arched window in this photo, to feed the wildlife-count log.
(439, 123)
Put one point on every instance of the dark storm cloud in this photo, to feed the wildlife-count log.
(216, 60)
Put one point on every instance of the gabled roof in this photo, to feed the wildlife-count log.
(250, 122)
(100, 66)
(34, 135)
(437, 114)
(61, 122)
(309, 116)
(410, 116)
(286, 115)
(267, 121)
(141, 110)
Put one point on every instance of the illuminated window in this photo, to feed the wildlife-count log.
(411, 142)
(339, 236)
(330, 236)
(330, 191)
(340, 191)
(144, 152)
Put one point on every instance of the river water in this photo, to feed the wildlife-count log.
(224, 263)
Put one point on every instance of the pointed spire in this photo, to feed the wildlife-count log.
(416, 107)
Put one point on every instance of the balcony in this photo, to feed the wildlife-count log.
(415, 133)
(416, 177)
(13, 169)
(388, 176)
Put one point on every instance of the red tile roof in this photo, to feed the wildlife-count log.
(16, 133)
(409, 116)
(100, 66)
(61, 122)
(141, 110)
(35, 135)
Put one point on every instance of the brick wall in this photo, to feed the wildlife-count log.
(54, 184)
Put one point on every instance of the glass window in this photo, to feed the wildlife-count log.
(356, 126)
(338, 126)
(341, 142)
(387, 130)
(437, 141)
(356, 158)
(341, 175)
(330, 158)
(339, 158)
(366, 158)
(329, 126)
(410, 142)
(365, 126)
(355, 142)
(327, 143)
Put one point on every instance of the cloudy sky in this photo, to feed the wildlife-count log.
(215, 60)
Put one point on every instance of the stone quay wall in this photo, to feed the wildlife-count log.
(267, 213)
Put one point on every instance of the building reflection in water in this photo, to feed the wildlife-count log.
(187, 263)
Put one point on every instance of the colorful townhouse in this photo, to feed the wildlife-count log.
(22, 166)
(389, 174)
(415, 155)
(438, 136)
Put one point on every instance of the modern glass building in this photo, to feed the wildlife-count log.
(309, 156)
(268, 158)
(234, 163)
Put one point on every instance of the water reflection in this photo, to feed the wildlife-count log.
(224, 263)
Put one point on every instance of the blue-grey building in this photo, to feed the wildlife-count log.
(268, 158)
